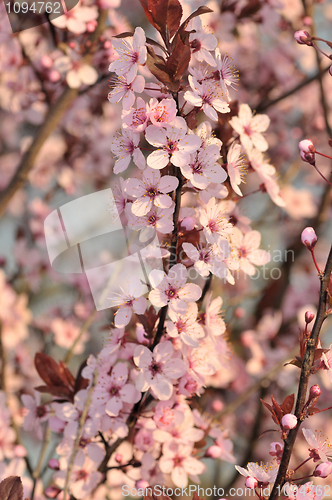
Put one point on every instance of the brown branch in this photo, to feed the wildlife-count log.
(304, 377)
(53, 118)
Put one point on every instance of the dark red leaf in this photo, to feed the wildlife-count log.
(48, 369)
(125, 34)
(198, 12)
(274, 416)
(178, 62)
(157, 66)
(312, 411)
(277, 408)
(56, 390)
(80, 382)
(11, 488)
(164, 15)
(288, 404)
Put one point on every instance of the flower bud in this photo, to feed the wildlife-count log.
(217, 405)
(213, 451)
(308, 317)
(307, 146)
(308, 157)
(323, 470)
(52, 492)
(309, 238)
(188, 223)
(142, 484)
(289, 421)
(47, 62)
(315, 391)
(118, 458)
(302, 37)
(251, 482)
(53, 463)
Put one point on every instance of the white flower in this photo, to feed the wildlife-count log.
(129, 300)
(177, 460)
(132, 52)
(207, 95)
(185, 326)
(264, 474)
(250, 128)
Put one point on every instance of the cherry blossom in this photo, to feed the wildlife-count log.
(248, 250)
(77, 73)
(176, 144)
(319, 445)
(113, 390)
(201, 43)
(136, 119)
(207, 95)
(132, 52)
(213, 222)
(76, 19)
(121, 89)
(225, 73)
(35, 413)
(172, 289)
(124, 146)
(236, 167)
(214, 324)
(264, 474)
(203, 168)
(210, 257)
(157, 219)
(185, 326)
(162, 112)
(177, 460)
(151, 190)
(129, 301)
(157, 369)
(250, 128)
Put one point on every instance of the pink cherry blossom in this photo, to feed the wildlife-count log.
(76, 19)
(264, 474)
(35, 413)
(124, 147)
(225, 73)
(172, 289)
(136, 119)
(185, 326)
(213, 221)
(113, 390)
(214, 323)
(162, 112)
(248, 250)
(177, 460)
(203, 168)
(157, 219)
(121, 89)
(201, 43)
(157, 369)
(129, 300)
(207, 95)
(320, 447)
(210, 257)
(151, 190)
(132, 52)
(250, 128)
(176, 144)
(236, 167)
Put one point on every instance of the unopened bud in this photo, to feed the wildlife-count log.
(213, 451)
(217, 405)
(309, 238)
(289, 421)
(52, 492)
(308, 317)
(46, 61)
(308, 157)
(251, 482)
(53, 463)
(142, 484)
(323, 470)
(315, 391)
(118, 458)
(302, 37)
(307, 146)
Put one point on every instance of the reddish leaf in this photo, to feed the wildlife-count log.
(56, 390)
(178, 62)
(164, 15)
(80, 382)
(274, 416)
(312, 411)
(157, 66)
(198, 12)
(277, 408)
(148, 320)
(125, 34)
(11, 488)
(48, 369)
(288, 404)
(59, 381)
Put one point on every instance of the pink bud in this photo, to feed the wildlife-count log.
(307, 146)
(289, 421)
(107, 44)
(309, 238)
(308, 317)
(91, 26)
(302, 37)
(52, 491)
(308, 157)
(217, 405)
(213, 452)
(46, 61)
(20, 450)
(188, 223)
(53, 463)
(307, 21)
(71, 45)
(323, 470)
(315, 391)
(142, 484)
(251, 482)
(118, 458)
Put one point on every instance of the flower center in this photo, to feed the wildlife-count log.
(172, 146)
(177, 461)
(171, 293)
(195, 45)
(155, 368)
(41, 411)
(81, 474)
(114, 390)
(152, 192)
